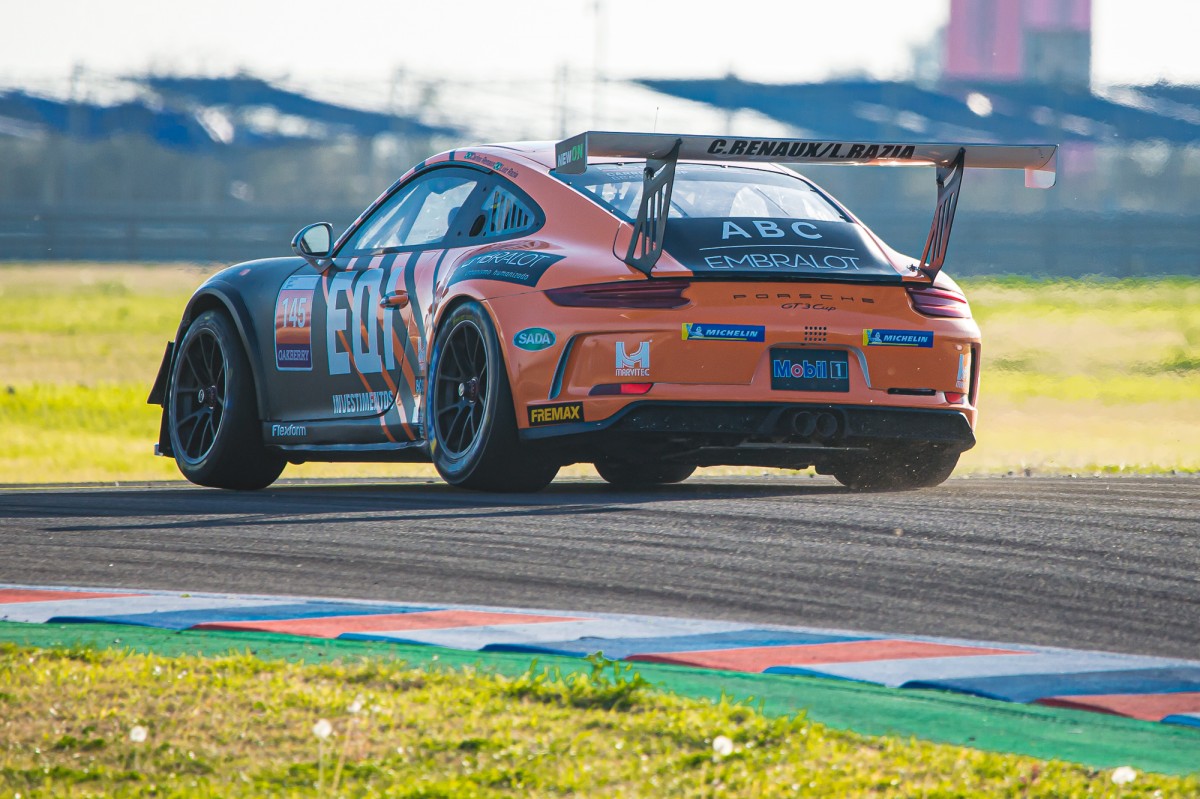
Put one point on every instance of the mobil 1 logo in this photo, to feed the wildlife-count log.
(809, 370)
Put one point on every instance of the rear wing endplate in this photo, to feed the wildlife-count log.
(662, 151)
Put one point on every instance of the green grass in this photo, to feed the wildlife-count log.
(1088, 376)
(1091, 376)
(243, 726)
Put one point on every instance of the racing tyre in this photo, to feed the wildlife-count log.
(472, 426)
(898, 470)
(212, 410)
(627, 474)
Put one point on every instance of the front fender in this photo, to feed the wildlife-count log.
(227, 298)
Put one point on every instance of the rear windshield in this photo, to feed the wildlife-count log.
(732, 222)
(705, 191)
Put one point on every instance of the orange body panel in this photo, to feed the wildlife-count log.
(740, 371)
(795, 314)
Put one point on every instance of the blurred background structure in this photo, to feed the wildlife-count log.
(172, 166)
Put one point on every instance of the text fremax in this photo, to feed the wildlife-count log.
(556, 414)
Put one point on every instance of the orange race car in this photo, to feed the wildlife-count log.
(648, 303)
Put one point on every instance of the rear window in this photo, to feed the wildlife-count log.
(733, 222)
(706, 191)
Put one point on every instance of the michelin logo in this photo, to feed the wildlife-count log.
(698, 331)
(897, 338)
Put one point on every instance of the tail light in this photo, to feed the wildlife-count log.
(610, 389)
(626, 294)
(939, 302)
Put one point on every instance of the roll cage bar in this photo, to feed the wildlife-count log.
(662, 151)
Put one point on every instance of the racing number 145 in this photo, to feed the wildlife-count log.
(295, 311)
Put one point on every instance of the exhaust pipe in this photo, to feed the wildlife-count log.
(826, 426)
(804, 424)
(811, 425)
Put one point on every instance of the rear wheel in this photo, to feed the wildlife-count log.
(628, 474)
(898, 470)
(213, 412)
(471, 422)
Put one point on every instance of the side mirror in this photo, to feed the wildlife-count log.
(313, 244)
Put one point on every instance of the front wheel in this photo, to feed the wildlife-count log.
(212, 410)
(471, 423)
(898, 470)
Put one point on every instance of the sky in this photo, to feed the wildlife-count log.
(372, 42)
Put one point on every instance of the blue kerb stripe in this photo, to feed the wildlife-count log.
(1031, 687)
(1188, 719)
(620, 648)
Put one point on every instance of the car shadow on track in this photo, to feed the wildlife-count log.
(329, 499)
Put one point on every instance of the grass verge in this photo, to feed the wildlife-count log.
(83, 720)
(1078, 376)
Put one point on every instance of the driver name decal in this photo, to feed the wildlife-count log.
(293, 324)
(822, 150)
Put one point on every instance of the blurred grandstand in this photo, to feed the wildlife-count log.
(169, 167)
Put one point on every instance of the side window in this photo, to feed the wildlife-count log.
(420, 213)
(502, 214)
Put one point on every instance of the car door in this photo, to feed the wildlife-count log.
(365, 308)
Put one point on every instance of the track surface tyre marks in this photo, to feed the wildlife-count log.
(1106, 564)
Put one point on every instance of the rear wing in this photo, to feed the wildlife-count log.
(662, 151)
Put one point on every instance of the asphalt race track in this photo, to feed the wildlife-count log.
(1092, 563)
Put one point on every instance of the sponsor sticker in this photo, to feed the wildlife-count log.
(533, 339)
(635, 363)
(776, 245)
(499, 166)
(508, 266)
(288, 431)
(362, 402)
(699, 331)
(874, 337)
(359, 334)
(558, 413)
(810, 370)
(293, 324)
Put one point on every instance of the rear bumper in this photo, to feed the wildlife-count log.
(788, 435)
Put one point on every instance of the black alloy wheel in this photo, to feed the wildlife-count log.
(461, 390)
(212, 411)
(471, 422)
(198, 398)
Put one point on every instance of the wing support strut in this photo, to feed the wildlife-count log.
(949, 183)
(658, 179)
